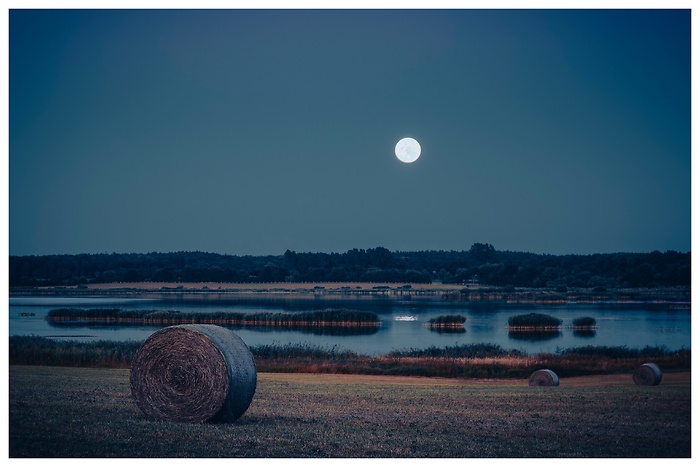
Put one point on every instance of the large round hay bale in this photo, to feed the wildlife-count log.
(543, 378)
(648, 374)
(193, 373)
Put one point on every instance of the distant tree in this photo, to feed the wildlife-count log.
(483, 252)
(380, 257)
(132, 275)
(492, 267)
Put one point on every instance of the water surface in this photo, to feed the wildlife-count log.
(402, 323)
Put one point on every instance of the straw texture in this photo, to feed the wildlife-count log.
(193, 373)
(543, 378)
(648, 374)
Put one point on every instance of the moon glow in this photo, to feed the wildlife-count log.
(407, 150)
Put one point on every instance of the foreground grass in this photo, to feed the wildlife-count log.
(80, 412)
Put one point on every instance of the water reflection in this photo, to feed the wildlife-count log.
(533, 335)
(448, 330)
(585, 333)
(316, 330)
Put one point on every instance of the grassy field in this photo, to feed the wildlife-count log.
(80, 412)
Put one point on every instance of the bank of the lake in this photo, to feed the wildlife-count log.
(431, 291)
(465, 361)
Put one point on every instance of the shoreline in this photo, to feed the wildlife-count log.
(675, 297)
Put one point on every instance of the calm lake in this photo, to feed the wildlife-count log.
(402, 323)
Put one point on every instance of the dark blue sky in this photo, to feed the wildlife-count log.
(253, 132)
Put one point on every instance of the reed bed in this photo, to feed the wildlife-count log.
(533, 322)
(34, 350)
(111, 316)
(464, 361)
(584, 322)
(446, 321)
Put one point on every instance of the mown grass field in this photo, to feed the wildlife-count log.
(81, 412)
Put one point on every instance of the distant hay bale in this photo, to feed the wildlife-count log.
(193, 373)
(648, 374)
(543, 378)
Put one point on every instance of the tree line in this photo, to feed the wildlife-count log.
(482, 264)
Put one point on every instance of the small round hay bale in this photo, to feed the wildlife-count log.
(648, 374)
(543, 378)
(193, 373)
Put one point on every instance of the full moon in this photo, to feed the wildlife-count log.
(407, 150)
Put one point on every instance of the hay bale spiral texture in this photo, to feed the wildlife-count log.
(193, 373)
(648, 374)
(543, 378)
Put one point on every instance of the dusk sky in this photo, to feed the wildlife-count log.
(253, 132)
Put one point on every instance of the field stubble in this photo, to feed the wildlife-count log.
(79, 412)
